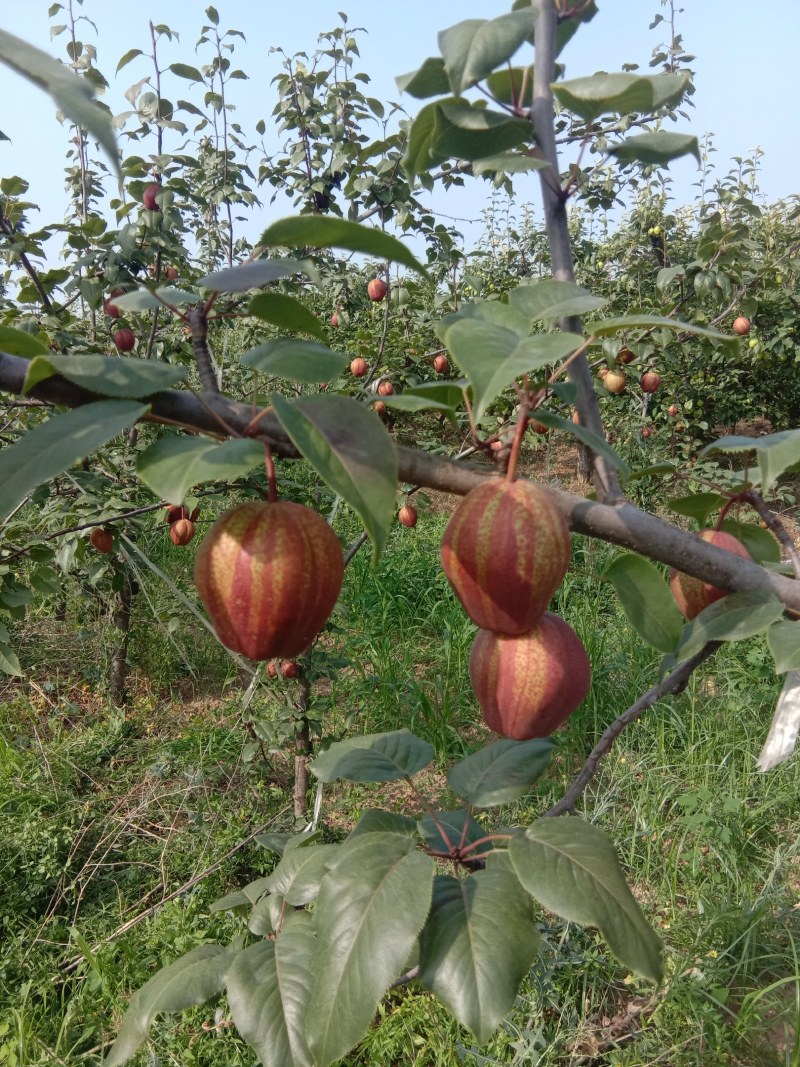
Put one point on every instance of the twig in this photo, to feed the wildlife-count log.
(756, 501)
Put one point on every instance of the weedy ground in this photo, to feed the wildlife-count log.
(119, 829)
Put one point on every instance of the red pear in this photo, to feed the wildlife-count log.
(693, 595)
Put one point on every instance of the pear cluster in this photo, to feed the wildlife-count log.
(505, 552)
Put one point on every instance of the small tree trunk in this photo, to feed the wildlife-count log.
(584, 463)
(119, 664)
(302, 750)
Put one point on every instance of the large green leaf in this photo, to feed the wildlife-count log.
(428, 80)
(647, 601)
(116, 376)
(552, 299)
(443, 829)
(377, 821)
(572, 869)
(508, 163)
(761, 544)
(473, 48)
(269, 986)
(9, 663)
(145, 300)
(621, 94)
(287, 313)
(327, 232)
(252, 275)
(697, 505)
(53, 446)
(783, 639)
(173, 465)
(505, 316)
(492, 357)
(603, 327)
(659, 148)
(374, 758)
(591, 440)
(466, 131)
(72, 95)
(776, 453)
(297, 361)
(500, 772)
(734, 618)
(196, 977)
(298, 875)
(478, 944)
(420, 155)
(371, 907)
(21, 343)
(348, 446)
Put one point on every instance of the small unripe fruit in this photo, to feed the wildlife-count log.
(269, 576)
(505, 551)
(182, 531)
(171, 273)
(124, 339)
(752, 343)
(650, 381)
(647, 431)
(602, 372)
(679, 427)
(111, 309)
(673, 410)
(625, 356)
(377, 289)
(358, 367)
(529, 685)
(149, 196)
(741, 326)
(334, 319)
(615, 381)
(379, 407)
(385, 389)
(440, 363)
(290, 668)
(407, 516)
(272, 670)
(693, 595)
(102, 539)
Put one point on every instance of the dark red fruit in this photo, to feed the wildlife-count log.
(377, 289)
(149, 196)
(124, 339)
(182, 531)
(407, 516)
(102, 539)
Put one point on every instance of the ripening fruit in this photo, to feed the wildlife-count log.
(269, 576)
(385, 389)
(625, 356)
(576, 417)
(505, 551)
(692, 595)
(441, 363)
(290, 668)
(175, 512)
(673, 410)
(111, 308)
(272, 670)
(124, 339)
(171, 273)
(181, 531)
(358, 367)
(741, 325)
(650, 381)
(379, 407)
(377, 289)
(334, 319)
(149, 196)
(752, 343)
(615, 381)
(407, 516)
(647, 431)
(538, 427)
(528, 685)
(602, 372)
(102, 539)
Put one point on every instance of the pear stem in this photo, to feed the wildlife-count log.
(522, 426)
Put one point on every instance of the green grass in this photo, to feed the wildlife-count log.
(102, 814)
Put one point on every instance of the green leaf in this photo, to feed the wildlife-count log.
(508, 163)
(429, 80)
(348, 446)
(252, 275)
(621, 94)
(493, 357)
(735, 617)
(658, 148)
(478, 944)
(761, 545)
(326, 232)
(297, 361)
(53, 446)
(647, 601)
(783, 639)
(371, 907)
(420, 154)
(603, 327)
(248, 895)
(465, 131)
(173, 465)
(376, 821)
(183, 70)
(21, 343)
(500, 772)
(196, 977)
(591, 440)
(776, 453)
(697, 505)
(491, 311)
(9, 664)
(572, 869)
(552, 299)
(126, 59)
(473, 48)
(144, 300)
(72, 95)
(110, 375)
(287, 313)
(269, 987)
(298, 875)
(374, 758)
(444, 829)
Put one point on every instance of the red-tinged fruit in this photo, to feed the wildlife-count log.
(102, 540)
(171, 273)
(358, 367)
(111, 309)
(380, 408)
(175, 512)
(269, 576)
(385, 389)
(650, 381)
(527, 686)
(407, 516)
(149, 196)
(646, 431)
(673, 410)
(741, 326)
(182, 531)
(625, 356)
(538, 427)
(693, 595)
(377, 289)
(615, 381)
(334, 320)
(124, 340)
(441, 364)
(290, 668)
(505, 551)
(272, 669)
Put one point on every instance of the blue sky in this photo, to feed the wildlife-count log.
(743, 69)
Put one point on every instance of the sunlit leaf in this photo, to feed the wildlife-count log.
(297, 361)
(287, 313)
(621, 94)
(500, 772)
(373, 758)
(473, 48)
(658, 148)
(173, 465)
(733, 618)
(108, 375)
(552, 299)
(320, 231)
(646, 600)
(251, 275)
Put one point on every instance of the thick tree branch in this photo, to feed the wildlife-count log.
(620, 524)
